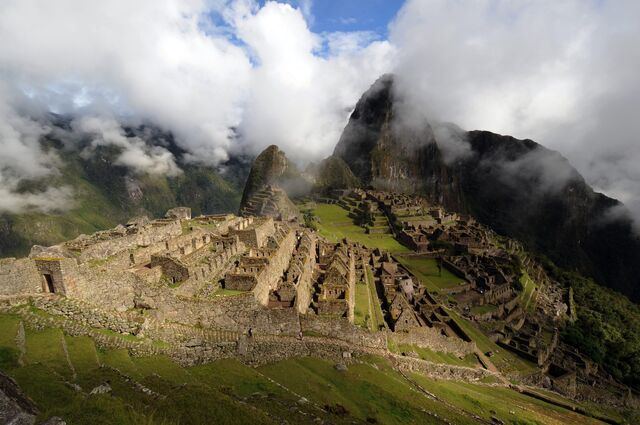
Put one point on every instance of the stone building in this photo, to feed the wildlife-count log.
(336, 283)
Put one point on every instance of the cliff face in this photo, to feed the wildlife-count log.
(517, 187)
(386, 153)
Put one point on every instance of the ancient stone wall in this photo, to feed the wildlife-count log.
(19, 277)
(441, 370)
(340, 328)
(146, 236)
(307, 263)
(433, 339)
(171, 267)
(104, 287)
(235, 313)
(254, 235)
(273, 271)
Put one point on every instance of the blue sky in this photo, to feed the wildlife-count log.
(351, 15)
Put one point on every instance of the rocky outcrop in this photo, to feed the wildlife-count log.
(271, 180)
(15, 407)
(517, 187)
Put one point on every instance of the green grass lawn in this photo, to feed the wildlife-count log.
(426, 269)
(335, 224)
(436, 356)
(377, 317)
(503, 359)
(8, 330)
(482, 309)
(528, 292)
(119, 359)
(45, 347)
(303, 391)
(361, 311)
(502, 403)
(82, 353)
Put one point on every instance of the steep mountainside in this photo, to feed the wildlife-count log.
(271, 169)
(106, 193)
(517, 187)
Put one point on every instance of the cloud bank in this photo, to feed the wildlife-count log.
(222, 76)
(561, 73)
(226, 76)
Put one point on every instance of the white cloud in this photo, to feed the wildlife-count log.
(135, 153)
(561, 73)
(298, 99)
(255, 70)
(22, 158)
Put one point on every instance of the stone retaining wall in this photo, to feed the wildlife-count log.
(433, 339)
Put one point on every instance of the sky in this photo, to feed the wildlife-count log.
(228, 76)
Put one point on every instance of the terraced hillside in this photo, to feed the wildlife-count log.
(334, 223)
(73, 378)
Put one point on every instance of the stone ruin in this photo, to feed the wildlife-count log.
(167, 277)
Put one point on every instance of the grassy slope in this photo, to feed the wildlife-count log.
(228, 392)
(426, 269)
(101, 200)
(335, 224)
(361, 310)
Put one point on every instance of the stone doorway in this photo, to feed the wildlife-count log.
(48, 282)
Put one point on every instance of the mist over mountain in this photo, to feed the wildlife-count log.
(229, 78)
(518, 187)
(107, 172)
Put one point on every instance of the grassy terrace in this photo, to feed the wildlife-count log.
(303, 391)
(510, 406)
(482, 309)
(528, 294)
(435, 356)
(362, 314)
(504, 360)
(335, 224)
(426, 269)
(377, 318)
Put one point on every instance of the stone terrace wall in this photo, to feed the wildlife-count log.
(256, 234)
(146, 236)
(273, 271)
(441, 370)
(432, 339)
(19, 277)
(106, 288)
(305, 280)
(343, 330)
(235, 313)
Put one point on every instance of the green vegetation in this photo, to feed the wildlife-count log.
(361, 309)
(528, 294)
(426, 269)
(504, 360)
(500, 403)
(436, 356)
(334, 223)
(377, 318)
(482, 309)
(298, 390)
(607, 328)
